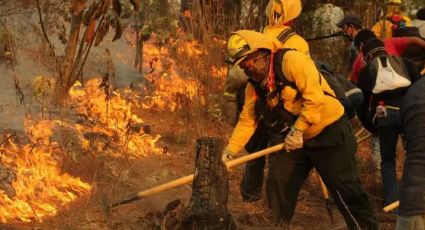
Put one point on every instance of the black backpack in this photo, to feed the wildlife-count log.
(398, 25)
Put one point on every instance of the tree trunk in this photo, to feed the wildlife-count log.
(63, 82)
(208, 204)
(184, 5)
(185, 17)
(232, 14)
(163, 7)
(261, 20)
(138, 60)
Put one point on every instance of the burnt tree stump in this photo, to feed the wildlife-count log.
(207, 208)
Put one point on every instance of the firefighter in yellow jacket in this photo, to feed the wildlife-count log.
(394, 19)
(279, 21)
(298, 108)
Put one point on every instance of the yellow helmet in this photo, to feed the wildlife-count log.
(240, 44)
(394, 1)
(236, 47)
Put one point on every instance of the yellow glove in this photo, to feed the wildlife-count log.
(293, 140)
(227, 156)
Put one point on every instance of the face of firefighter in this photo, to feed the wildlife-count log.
(256, 65)
(349, 32)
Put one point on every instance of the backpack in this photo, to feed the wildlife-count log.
(346, 92)
(350, 96)
(398, 23)
(407, 31)
(391, 74)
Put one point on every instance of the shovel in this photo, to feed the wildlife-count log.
(107, 205)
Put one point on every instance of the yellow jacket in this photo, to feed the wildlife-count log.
(294, 42)
(314, 109)
(383, 28)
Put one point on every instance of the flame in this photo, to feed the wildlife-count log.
(176, 84)
(114, 117)
(40, 188)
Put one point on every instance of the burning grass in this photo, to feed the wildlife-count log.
(38, 188)
(34, 186)
(98, 121)
(108, 113)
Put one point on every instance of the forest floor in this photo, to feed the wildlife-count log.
(177, 138)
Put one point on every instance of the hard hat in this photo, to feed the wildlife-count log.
(236, 48)
(240, 44)
(394, 1)
(244, 42)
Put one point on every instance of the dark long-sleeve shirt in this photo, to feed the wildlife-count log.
(412, 188)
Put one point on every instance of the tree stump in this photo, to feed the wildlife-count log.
(207, 208)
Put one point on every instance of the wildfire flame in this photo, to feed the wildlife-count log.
(114, 115)
(35, 186)
(40, 188)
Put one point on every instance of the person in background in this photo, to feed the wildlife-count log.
(394, 19)
(393, 46)
(419, 22)
(384, 106)
(412, 186)
(350, 25)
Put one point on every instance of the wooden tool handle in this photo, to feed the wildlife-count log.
(323, 187)
(391, 206)
(253, 156)
(187, 179)
(164, 187)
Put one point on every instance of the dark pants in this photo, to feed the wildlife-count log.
(332, 153)
(389, 129)
(252, 181)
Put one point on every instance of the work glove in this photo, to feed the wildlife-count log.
(227, 156)
(381, 111)
(293, 140)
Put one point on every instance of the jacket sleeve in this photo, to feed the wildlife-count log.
(408, 20)
(377, 28)
(301, 70)
(247, 122)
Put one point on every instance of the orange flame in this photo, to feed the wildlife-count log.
(114, 114)
(41, 189)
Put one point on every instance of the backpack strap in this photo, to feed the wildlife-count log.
(281, 80)
(285, 35)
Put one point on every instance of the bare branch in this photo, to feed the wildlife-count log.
(52, 49)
